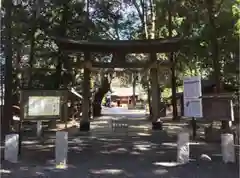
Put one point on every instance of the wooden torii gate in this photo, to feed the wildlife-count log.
(121, 48)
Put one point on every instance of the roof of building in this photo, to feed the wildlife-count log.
(123, 91)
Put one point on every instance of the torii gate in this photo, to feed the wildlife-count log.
(121, 48)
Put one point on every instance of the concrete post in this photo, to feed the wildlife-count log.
(228, 152)
(11, 148)
(61, 149)
(183, 148)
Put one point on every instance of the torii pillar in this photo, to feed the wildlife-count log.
(85, 121)
(155, 95)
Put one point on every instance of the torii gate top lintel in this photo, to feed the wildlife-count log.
(121, 46)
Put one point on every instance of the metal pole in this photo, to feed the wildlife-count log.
(194, 127)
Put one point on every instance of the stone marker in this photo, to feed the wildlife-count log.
(228, 152)
(11, 148)
(61, 149)
(39, 128)
(183, 148)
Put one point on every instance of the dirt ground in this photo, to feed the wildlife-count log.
(141, 153)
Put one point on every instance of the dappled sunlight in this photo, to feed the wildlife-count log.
(143, 134)
(5, 171)
(40, 147)
(174, 127)
(166, 164)
(30, 142)
(171, 125)
(107, 171)
(76, 140)
(160, 171)
(144, 127)
(170, 144)
(110, 139)
(142, 147)
(197, 143)
(117, 150)
(135, 153)
(76, 148)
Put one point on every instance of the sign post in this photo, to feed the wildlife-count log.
(192, 100)
(39, 105)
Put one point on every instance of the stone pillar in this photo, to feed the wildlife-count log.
(61, 149)
(228, 152)
(85, 120)
(183, 148)
(155, 94)
(39, 128)
(11, 148)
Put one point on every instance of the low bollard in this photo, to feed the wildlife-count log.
(183, 148)
(11, 148)
(39, 128)
(228, 152)
(61, 149)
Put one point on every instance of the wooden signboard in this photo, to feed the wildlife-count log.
(43, 104)
(217, 108)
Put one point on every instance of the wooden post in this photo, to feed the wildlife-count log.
(155, 94)
(85, 121)
(134, 90)
(194, 127)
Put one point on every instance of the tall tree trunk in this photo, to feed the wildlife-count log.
(214, 44)
(172, 59)
(143, 15)
(215, 52)
(105, 87)
(62, 33)
(149, 99)
(5, 121)
(32, 38)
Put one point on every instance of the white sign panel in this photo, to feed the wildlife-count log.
(44, 106)
(192, 92)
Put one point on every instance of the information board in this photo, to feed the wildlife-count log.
(44, 106)
(192, 93)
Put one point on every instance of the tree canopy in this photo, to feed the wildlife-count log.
(214, 25)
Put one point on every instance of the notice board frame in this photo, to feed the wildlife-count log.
(24, 98)
(218, 107)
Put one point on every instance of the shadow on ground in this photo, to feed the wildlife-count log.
(141, 153)
(150, 155)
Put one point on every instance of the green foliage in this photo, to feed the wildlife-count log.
(122, 20)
